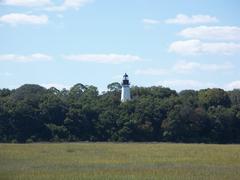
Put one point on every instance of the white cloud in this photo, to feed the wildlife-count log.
(150, 21)
(233, 85)
(193, 47)
(25, 58)
(195, 19)
(183, 84)
(186, 67)
(27, 3)
(56, 85)
(69, 4)
(18, 18)
(151, 71)
(229, 33)
(48, 4)
(186, 84)
(103, 58)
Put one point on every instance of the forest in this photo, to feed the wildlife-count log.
(32, 113)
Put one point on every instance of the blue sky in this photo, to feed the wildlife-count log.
(181, 44)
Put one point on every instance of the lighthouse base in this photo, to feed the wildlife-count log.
(125, 96)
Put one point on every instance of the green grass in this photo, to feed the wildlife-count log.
(119, 161)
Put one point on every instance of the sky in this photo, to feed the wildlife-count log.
(181, 44)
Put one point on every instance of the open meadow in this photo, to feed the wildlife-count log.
(63, 161)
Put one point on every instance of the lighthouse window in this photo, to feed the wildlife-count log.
(125, 82)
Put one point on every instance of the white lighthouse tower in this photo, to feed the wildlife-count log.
(125, 96)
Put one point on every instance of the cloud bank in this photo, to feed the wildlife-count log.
(186, 67)
(27, 3)
(19, 18)
(25, 58)
(219, 33)
(194, 19)
(194, 47)
(103, 58)
(48, 4)
(150, 21)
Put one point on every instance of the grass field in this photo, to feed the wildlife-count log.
(119, 161)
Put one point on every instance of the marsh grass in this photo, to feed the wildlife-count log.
(65, 161)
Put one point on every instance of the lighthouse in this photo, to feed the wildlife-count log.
(125, 96)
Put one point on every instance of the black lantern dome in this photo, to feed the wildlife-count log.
(125, 80)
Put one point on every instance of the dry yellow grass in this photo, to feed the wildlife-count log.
(67, 161)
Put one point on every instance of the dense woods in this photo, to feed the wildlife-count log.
(32, 113)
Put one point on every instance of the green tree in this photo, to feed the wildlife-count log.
(235, 96)
(213, 97)
(115, 86)
(52, 109)
(222, 120)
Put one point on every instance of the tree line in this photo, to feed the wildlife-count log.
(32, 113)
